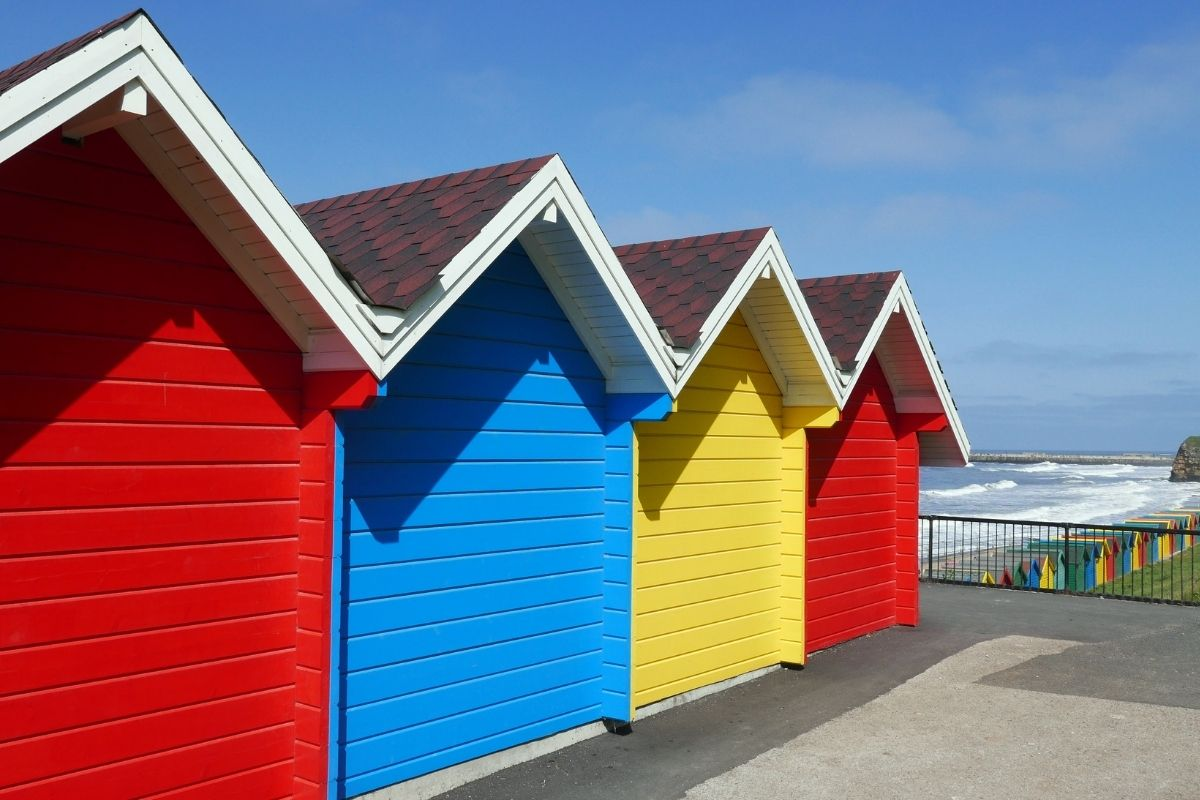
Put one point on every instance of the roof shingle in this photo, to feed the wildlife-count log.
(681, 281)
(19, 73)
(845, 307)
(395, 240)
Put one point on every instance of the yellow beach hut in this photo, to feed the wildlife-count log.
(718, 567)
(1048, 574)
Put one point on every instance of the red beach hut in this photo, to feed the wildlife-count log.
(164, 438)
(897, 415)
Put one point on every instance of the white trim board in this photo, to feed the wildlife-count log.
(135, 54)
(550, 196)
(900, 301)
(767, 263)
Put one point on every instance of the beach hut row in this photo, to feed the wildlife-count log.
(1167, 528)
(1091, 558)
(310, 501)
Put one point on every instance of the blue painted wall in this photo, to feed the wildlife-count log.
(623, 410)
(476, 540)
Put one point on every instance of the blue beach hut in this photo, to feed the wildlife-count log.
(1033, 574)
(481, 591)
(1127, 548)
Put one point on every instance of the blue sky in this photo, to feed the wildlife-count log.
(1032, 167)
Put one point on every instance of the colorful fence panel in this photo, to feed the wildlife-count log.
(1149, 557)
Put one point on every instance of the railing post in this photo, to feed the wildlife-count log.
(929, 552)
(1069, 582)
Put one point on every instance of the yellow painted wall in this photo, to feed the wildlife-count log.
(707, 526)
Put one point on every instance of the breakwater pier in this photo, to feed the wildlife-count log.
(1034, 457)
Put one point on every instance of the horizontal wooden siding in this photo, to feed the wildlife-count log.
(149, 473)
(474, 546)
(908, 474)
(851, 550)
(707, 526)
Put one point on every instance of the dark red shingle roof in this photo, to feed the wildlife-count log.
(27, 69)
(681, 281)
(845, 307)
(395, 240)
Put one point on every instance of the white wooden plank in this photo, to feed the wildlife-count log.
(317, 319)
(236, 220)
(306, 306)
(157, 122)
(294, 293)
(223, 204)
(259, 250)
(282, 280)
(553, 249)
(555, 235)
(272, 264)
(210, 188)
(246, 235)
(199, 173)
(171, 138)
(180, 151)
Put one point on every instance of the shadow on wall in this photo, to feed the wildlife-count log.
(829, 447)
(699, 408)
(473, 539)
(115, 308)
(500, 399)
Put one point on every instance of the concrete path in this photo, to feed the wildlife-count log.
(993, 685)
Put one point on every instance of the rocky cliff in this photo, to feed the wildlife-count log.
(1187, 461)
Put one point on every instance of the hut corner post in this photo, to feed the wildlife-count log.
(617, 705)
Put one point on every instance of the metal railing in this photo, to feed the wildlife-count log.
(1156, 564)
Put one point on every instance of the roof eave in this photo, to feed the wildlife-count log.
(549, 194)
(767, 261)
(136, 53)
(900, 298)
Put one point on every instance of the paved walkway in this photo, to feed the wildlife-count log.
(997, 692)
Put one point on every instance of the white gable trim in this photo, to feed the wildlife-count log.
(137, 53)
(551, 186)
(900, 300)
(66, 88)
(185, 194)
(767, 262)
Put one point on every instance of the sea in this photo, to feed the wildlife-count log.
(1051, 492)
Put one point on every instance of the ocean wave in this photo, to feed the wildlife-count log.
(1077, 493)
(1096, 470)
(1108, 503)
(1101, 470)
(1043, 466)
(974, 488)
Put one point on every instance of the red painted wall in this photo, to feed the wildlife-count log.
(861, 519)
(323, 392)
(312, 656)
(908, 482)
(150, 466)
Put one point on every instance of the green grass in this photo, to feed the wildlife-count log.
(1176, 578)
